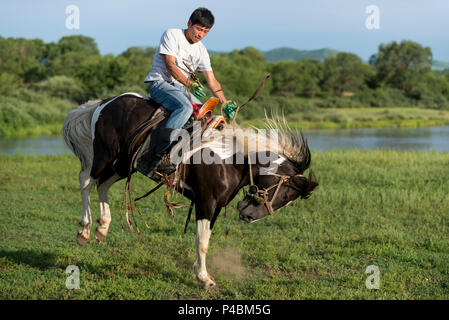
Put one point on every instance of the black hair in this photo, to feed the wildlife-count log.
(203, 17)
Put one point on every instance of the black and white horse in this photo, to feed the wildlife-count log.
(102, 135)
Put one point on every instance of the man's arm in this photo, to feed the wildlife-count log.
(170, 64)
(214, 85)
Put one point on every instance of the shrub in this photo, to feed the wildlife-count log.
(8, 83)
(62, 87)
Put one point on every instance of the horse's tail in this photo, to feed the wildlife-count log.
(76, 131)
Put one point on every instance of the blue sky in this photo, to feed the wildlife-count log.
(337, 24)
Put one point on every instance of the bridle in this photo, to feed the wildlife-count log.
(261, 196)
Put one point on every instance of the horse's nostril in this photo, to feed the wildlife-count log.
(246, 218)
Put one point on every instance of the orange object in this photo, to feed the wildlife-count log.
(208, 106)
(219, 122)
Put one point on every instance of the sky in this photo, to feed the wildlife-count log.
(305, 25)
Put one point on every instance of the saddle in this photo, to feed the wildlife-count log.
(143, 153)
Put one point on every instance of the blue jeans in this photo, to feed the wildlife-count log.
(173, 97)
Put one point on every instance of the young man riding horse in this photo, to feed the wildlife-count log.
(181, 52)
(106, 135)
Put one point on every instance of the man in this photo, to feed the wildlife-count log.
(180, 50)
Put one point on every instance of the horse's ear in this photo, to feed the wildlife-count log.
(306, 185)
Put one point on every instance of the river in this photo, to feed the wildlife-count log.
(420, 139)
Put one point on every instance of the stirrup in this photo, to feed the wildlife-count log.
(165, 165)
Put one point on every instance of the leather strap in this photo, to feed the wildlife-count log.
(261, 196)
(252, 97)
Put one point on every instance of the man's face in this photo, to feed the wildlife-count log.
(195, 33)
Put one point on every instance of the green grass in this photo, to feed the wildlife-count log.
(30, 132)
(383, 208)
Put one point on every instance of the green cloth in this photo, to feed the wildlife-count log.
(197, 90)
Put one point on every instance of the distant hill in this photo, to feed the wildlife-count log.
(319, 54)
(294, 54)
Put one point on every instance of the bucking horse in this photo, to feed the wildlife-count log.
(108, 138)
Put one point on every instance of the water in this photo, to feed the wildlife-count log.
(421, 139)
(42, 145)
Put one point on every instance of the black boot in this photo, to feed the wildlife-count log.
(160, 146)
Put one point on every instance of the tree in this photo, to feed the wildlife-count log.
(23, 58)
(301, 78)
(402, 65)
(286, 78)
(241, 71)
(78, 43)
(65, 57)
(8, 83)
(139, 61)
(312, 73)
(101, 72)
(133, 52)
(62, 87)
(344, 72)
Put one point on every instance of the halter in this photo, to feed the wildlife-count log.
(261, 196)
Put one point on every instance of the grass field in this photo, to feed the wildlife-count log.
(383, 208)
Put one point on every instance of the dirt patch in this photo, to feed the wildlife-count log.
(228, 263)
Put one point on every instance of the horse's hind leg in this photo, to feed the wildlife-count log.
(86, 183)
(105, 214)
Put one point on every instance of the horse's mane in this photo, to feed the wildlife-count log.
(293, 143)
(277, 136)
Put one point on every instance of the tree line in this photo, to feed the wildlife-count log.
(73, 71)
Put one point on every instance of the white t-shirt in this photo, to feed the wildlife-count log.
(174, 43)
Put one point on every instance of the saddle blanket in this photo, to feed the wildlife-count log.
(142, 161)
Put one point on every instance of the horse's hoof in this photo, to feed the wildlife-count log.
(210, 286)
(99, 235)
(209, 283)
(81, 239)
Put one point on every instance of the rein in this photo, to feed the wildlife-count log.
(261, 196)
(259, 88)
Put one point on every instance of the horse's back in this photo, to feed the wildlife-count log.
(122, 115)
(115, 125)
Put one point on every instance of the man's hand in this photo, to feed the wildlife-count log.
(229, 108)
(214, 86)
(197, 90)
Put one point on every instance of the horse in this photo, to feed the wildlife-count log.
(102, 134)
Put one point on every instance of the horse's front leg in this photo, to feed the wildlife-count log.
(86, 183)
(203, 233)
(104, 219)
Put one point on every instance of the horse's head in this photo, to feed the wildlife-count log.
(270, 189)
(271, 192)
